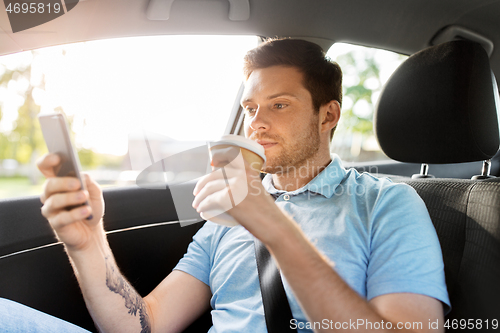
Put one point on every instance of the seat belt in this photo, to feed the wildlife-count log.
(276, 307)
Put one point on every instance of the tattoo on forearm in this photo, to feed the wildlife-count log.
(133, 301)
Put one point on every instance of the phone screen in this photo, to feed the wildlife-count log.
(56, 135)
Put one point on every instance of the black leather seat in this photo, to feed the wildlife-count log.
(439, 107)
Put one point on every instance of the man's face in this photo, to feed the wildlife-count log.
(279, 115)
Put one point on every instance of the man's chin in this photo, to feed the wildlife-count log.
(275, 169)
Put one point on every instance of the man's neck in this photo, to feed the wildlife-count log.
(298, 176)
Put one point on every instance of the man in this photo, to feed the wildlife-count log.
(349, 246)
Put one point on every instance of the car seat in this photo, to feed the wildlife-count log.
(440, 107)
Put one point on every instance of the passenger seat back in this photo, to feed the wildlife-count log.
(439, 107)
(466, 215)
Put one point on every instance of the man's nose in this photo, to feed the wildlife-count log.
(260, 121)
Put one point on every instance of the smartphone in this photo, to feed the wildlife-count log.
(56, 134)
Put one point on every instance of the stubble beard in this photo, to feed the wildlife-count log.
(297, 154)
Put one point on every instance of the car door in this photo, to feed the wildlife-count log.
(174, 109)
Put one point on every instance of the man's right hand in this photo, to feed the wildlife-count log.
(71, 226)
(171, 306)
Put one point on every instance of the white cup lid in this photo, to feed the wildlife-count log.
(238, 140)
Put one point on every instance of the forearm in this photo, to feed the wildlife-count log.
(112, 302)
(320, 291)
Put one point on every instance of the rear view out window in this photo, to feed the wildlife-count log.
(365, 71)
(179, 90)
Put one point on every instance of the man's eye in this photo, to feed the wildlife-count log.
(249, 110)
(279, 106)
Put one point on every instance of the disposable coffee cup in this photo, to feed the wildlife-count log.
(228, 149)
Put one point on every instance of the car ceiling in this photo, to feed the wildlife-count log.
(404, 26)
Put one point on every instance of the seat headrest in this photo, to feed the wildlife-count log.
(439, 107)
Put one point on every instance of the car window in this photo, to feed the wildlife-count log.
(365, 71)
(178, 91)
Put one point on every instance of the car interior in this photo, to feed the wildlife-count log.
(437, 119)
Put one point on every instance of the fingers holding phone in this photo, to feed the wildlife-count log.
(94, 199)
(65, 194)
(72, 202)
(71, 210)
(62, 208)
(47, 164)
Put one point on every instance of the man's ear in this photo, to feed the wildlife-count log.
(329, 114)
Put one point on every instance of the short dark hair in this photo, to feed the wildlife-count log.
(322, 76)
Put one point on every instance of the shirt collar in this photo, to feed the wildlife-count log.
(324, 183)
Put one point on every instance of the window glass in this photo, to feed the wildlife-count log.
(365, 71)
(176, 90)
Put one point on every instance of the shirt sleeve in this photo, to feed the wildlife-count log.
(197, 261)
(405, 251)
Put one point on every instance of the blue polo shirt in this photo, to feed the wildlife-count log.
(377, 233)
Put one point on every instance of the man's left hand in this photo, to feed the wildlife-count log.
(236, 188)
